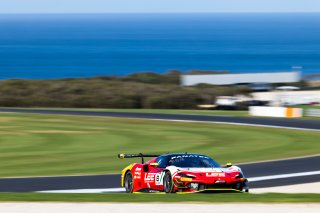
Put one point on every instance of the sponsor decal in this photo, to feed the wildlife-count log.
(215, 174)
(149, 177)
(151, 190)
(159, 178)
(188, 156)
(138, 169)
(137, 174)
(137, 177)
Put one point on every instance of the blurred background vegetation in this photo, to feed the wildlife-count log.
(138, 90)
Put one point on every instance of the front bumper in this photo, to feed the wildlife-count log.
(237, 186)
(212, 191)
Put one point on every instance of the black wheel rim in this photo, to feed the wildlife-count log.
(128, 183)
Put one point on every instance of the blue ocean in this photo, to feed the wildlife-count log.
(60, 46)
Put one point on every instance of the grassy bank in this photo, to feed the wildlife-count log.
(143, 198)
(140, 90)
(36, 145)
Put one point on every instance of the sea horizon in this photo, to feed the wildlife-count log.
(71, 45)
(148, 13)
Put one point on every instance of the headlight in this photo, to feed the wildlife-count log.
(187, 175)
(239, 175)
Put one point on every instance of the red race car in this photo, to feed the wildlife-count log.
(181, 173)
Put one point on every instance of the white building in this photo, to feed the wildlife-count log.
(280, 98)
(242, 78)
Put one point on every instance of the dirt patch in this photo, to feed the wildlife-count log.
(6, 119)
(8, 127)
(56, 120)
(57, 131)
(15, 133)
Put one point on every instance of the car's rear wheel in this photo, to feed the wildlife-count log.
(128, 182)
(168, 183)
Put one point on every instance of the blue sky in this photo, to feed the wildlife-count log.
(156, 6)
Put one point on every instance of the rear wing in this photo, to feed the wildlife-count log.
(140, 155)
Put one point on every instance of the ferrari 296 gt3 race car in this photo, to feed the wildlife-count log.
(181, 173)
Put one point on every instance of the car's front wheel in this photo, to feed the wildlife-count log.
(128, 182)
(168, 183)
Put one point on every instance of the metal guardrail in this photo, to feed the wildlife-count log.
(312, 112)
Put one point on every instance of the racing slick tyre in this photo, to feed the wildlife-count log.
(168, 183)
(128, 182)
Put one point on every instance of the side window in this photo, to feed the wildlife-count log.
(162, 161)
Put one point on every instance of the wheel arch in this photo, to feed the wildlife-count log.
(125, 171)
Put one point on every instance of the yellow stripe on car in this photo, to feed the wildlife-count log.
(124, 171)
(186, 179)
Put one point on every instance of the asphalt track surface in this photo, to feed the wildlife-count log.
(113, 181)
(275, 122)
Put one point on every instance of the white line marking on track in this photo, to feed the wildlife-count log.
(108, 190)
(272, 177)
(234, 123)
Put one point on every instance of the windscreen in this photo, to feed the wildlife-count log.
(187, 161)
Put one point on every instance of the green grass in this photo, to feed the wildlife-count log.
(308, 107)
(173, 198)
(40, 145)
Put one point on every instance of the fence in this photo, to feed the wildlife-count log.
(312, 112)
(286, 112)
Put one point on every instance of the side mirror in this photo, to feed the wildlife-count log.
(229, 164)
(154, 164)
